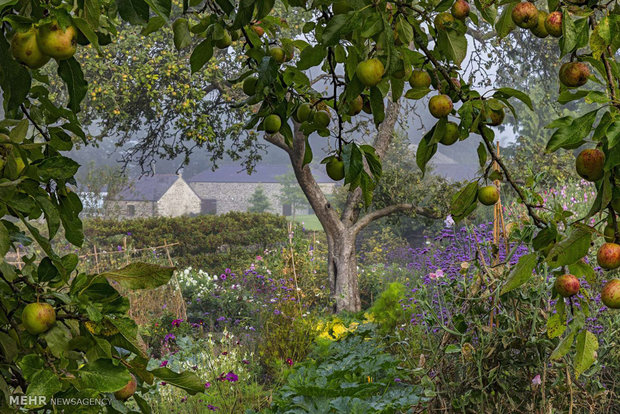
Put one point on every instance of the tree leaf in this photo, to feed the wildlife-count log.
(563, 347)
(182, 35)
(556, 324)
(44, 383)
(201, 55)
(57, 168)
(71, 72)
(311, 56)
(587, 345)
(571, 249)
(102, 375)
(505, 24)
(453, 45)
(14, 78)
(514, 93)
(521, 273)
(187, 381)
(140, 275)
(135, 12)
(161, 7)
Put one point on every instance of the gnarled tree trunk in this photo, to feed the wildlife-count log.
(342, 230)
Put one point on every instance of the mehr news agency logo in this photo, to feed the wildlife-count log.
(42, 400)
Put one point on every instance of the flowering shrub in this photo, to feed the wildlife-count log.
(228, 369)
(480, 348)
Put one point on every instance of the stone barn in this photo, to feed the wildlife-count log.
(158, 195)
(230, 188)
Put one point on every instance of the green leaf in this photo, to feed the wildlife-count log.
(187, 381)
(127, 335)
(140, 275)
(571, 249)
(587, 345)
(377, 105)
(57, 340)
(556, 324)
(87, 31)
(571, 136)
(568, 42)
(514, 93)
(14, 78)
(201, 55)
(521, 273)
(453, 45)
(566, 96)
(244, 13)
(71, 72)
(8, 346)
(563, 347)
(425, 151)
(102, 375)
(465, 197)
(583, 270)
(92, 12)
(182, 35)
(57, 168)
(46, 270)
(154, 24)
(613, 134)
(417, 93)
(44, 383)
(135, 12)
(505, 24)
(482, 154)
(311, 56)
(161, 7)
(5, 241)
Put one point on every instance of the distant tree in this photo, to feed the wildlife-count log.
(290, 192)
(259, 203)
(98, 185)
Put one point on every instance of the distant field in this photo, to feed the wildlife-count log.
(311, 222)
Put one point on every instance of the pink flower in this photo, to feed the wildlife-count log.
(437, 275)
(259, 258)
(163, 363)
(536, 380)
(207, 385)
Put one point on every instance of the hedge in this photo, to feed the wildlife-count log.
(208, 242)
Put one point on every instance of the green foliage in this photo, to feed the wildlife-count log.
(208, 242)
(387, 310)
(354, 375)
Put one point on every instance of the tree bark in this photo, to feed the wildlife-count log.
(342, 231)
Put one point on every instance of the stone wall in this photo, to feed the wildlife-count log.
(179, 200)
(236, 196)
(121, 209)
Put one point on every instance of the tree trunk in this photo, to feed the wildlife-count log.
(342, 272)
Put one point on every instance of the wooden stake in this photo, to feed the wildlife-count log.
(19, 259)
(96, 259)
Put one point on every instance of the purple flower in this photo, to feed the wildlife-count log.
(397, 380)
(223, 276)
(163, 363)
(231, 377)
(177, 322)
(228, 271)
(212, 407)
(276, 312)
(207, 385)
(169, 337)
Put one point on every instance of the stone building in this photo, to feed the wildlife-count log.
(157, 195)
(230, 188)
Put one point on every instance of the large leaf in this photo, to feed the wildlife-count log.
(505, 24)
(188, 381)
(44, 383)
(135, 12)
(140, 275)
(14, 78)
(201, 55)
(563, 347)
(102, 375)
(521, 273)
(587, 345)
(182, 35)
(161, 7)
(71, 72)
(453, 45)
(571, 249)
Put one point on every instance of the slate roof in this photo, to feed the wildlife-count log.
(264, 173)
(148, 188)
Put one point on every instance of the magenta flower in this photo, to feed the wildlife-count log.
(289, 362)
(207, 385)
(231, 377)
(163, 363)
(177, 322)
